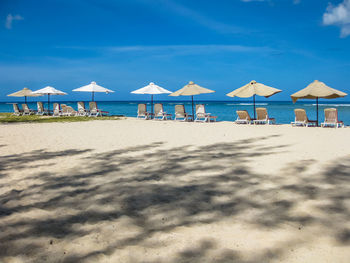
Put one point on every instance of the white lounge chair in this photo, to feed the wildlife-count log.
(82, 111)
(159, 113)
(41, 110)
(16, 110)
(95, 111)
(301, 119)
(202, 116)
(331, 118)
(57, 110)
(180, 113)
(262, 117)
(243, 117)
(26, 110)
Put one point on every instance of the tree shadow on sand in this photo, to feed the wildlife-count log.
(152, 190)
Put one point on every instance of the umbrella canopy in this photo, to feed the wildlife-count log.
(191, 89)
(316, 90)
(24, 93)
(93, 87)
(253, 88)
(151, 89)
(49, 91)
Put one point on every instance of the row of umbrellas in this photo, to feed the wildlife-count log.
(315, 90)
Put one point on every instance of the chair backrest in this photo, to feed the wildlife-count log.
(25, 107)
(69, 109)
(331, 115)
(15, 108)
(300, 115)
(81, 106)
(40, 106)
(180, 111)
(56, 107)
(92, 106)
(261, 114)
(158, 109)
(141, 109)
(200, 110)
(243, 115)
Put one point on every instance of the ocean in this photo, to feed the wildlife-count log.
(225, 110)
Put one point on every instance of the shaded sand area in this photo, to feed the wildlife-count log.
(148, 191)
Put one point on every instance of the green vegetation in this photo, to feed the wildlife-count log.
(9, 117)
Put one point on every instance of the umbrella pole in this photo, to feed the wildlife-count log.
(25, 99)
(48, 104)
(93, 93)
(254, 104)
(317, 111)
(192, 110)
(151, 106)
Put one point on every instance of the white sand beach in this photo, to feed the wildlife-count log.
(151, 191)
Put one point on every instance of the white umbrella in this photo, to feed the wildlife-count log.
(93, 87)
(24, 93)
(151, 89)
(49, 91)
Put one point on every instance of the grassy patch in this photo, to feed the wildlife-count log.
(8, 117)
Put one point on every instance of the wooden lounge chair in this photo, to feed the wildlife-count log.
(95, 111)
(301, 119)
(142, 112)
(159, 113)
(180, 113)
(41, 110)
(262, 117)
(82, 111)
(57, 110)
(16, 110)
(331, 118)
(202, 115)
(243, 117)
(26, 110)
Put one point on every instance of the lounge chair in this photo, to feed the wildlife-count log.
(243, 117)
(82, 111)
(16, 110)
(302, 119)
(142, 112)
(26, 110)
(95, 111)
(41, 110)
(202, 116)
(57, 110)
(331, 118)
(159, 113)
(180, 113)
(262, 117)
(68, 110)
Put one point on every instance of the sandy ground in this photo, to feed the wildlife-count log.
(150, 191)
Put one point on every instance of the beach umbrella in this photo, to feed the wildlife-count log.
(49, 91)
(93, 87)
(151, 89)
(191, 89)
(24, 93)
(253, 88)
(316, 90)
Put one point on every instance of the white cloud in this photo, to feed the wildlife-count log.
(340, 16)
(10, 18)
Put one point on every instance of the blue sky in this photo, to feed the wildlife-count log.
(221, 45)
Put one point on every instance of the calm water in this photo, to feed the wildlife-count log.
(225, 110)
